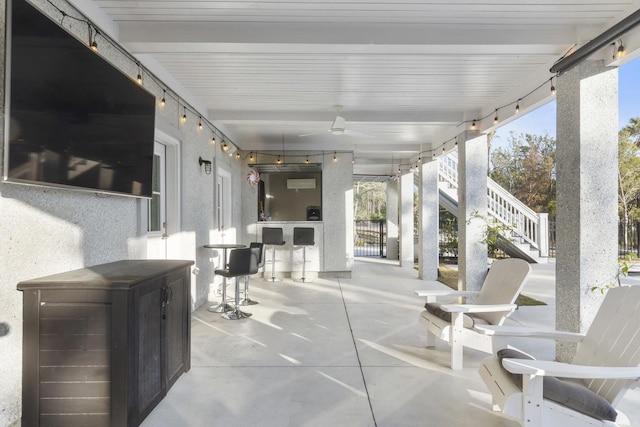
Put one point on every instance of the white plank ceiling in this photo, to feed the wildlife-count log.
(412, 74)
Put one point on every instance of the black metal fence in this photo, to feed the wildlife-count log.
(370, 238)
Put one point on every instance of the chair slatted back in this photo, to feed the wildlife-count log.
(613, 339)
(502, 285)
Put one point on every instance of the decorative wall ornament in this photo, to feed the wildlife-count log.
(253, 177)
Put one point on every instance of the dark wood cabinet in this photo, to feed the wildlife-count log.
(102, 345)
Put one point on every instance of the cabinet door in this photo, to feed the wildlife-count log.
(176, 326)
(149, 351)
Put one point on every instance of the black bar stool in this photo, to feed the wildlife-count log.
(260, 248)
(242, 262)
(273, 236)
(303, 236)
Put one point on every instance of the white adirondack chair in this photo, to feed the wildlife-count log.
(606, 365)
(493, 304)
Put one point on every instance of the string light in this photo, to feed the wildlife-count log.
(139, 76)
(163, 100)
(251, 156)
(517, 110)
(225, 146)
(213, 137)
(433, 155)
(335, 159)
(200, 123)
(237, 155)
(184, 114)
(279, 160)
(307, 161)
(619, 52)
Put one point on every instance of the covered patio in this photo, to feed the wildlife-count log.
(342, 352)
(373, 90)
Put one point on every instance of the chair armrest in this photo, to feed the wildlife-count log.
(566, 370)
(477, 308)
(518, 331)
(446, 293)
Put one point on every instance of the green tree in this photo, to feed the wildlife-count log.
(629, 176)
(526, 167)
(369, 200)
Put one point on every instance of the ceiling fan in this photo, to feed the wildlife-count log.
(338, 127)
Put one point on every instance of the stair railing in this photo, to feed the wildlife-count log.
(531, 227)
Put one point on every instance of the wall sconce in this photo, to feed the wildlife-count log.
(207, 165)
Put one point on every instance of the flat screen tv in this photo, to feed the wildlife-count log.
(74, 120)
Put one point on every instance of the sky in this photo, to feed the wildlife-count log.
(543, 120)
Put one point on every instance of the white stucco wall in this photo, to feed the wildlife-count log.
(46, 230)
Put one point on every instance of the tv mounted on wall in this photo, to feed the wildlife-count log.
(74, 120)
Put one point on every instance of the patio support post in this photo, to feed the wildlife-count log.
(406, 219)
(586, 194)
(472, 210)
(428, 219)
(392, 219)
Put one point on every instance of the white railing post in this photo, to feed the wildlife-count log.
(543, 238)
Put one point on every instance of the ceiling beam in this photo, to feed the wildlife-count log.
(172, 36)
(432, 117)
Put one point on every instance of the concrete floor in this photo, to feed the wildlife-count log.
(341, 352)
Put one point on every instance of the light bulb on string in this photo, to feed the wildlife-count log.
(553, 88)
(620, 52)
(237, 155)
(518, 106)
(139, 76)
(225, 146)
(200, 123)
(184, 114)
(163, 101)
(251, 156)
(213, 139)
(307, 161)
(335, 159)
(495, 119)
(433, 155)
(279, 160)
(92, 38)
(473, 125)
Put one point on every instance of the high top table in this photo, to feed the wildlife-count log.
(223, 306)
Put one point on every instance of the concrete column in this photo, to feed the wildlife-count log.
(392, 219)
(406, 219)
(428, 218)
(587, 170)
(472, 210)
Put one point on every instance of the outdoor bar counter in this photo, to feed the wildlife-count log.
(288, 257)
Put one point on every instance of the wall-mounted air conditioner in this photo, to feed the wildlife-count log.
(301, 184)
